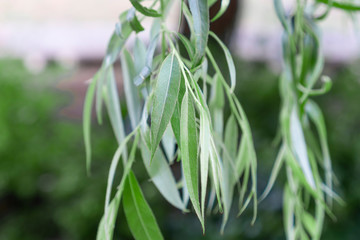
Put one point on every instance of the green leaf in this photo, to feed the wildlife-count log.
(147, 67)
(118, 29)
(315, 114)
(89, 99)
(175, 119)
(242, 159)
(100, 77)
(229, 60)
(289, 205)
(187, 44)
(274, 172)
(168, 143)
(280, 12)
(165, 96)
(345, 5)
(116, 43)
(155, 28)
(216, 104)
(113, 104)
(223, 7)
(204, 156)
(229, 177)
(134, 22)
(133, 101)
(217, 94)
(139, 216)
(146, 11)
(216, 172)
(161, 175)
(211, 2)
(309, 223)
(231, 137)
(299, 147)
(107, 224)
(189, 152)
(200, 13)
(103, 233)
(139, 51)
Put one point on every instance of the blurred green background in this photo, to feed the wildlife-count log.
(46, 194)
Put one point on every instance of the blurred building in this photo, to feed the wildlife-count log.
(79, 30)
(73, 32)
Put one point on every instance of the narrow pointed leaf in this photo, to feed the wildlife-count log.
(231, 137)
(139, 216)
(185, 191)
(289, 205)
(116, 43)
(229, 60)
(113, 105)
(139, 51)
(175, 119)
(242, 158)
(200, 14)
(161, 175)
(89, 99)
(317, 117)
(299, 147)
(100, 77)
(229, 173)
(133, 101)
(274, 173)
(107, 224)
(187, 44)
(189, 152)
(118, 29)
(346, 5)
(223, 8)
(103, 233)
(134, 21)
(165, 96)
(309, 223)
(146, 11)
(147, 67)
(204, 156)
(216, 172)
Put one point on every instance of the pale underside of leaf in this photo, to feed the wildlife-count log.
(204, 156)
(229, 171)
(200, 14)
(113, 105)
(317, 117)
(139, 55)
(133, 101)
(161, 175)
(116, 42)
(299, 147)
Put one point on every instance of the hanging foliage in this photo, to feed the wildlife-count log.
(176, 105)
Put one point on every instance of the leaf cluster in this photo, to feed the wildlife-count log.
(175, 107)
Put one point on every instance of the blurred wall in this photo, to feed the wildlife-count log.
(71, 30)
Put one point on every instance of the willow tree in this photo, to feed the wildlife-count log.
(175, 111)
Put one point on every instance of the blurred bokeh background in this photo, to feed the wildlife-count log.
(48, 51)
